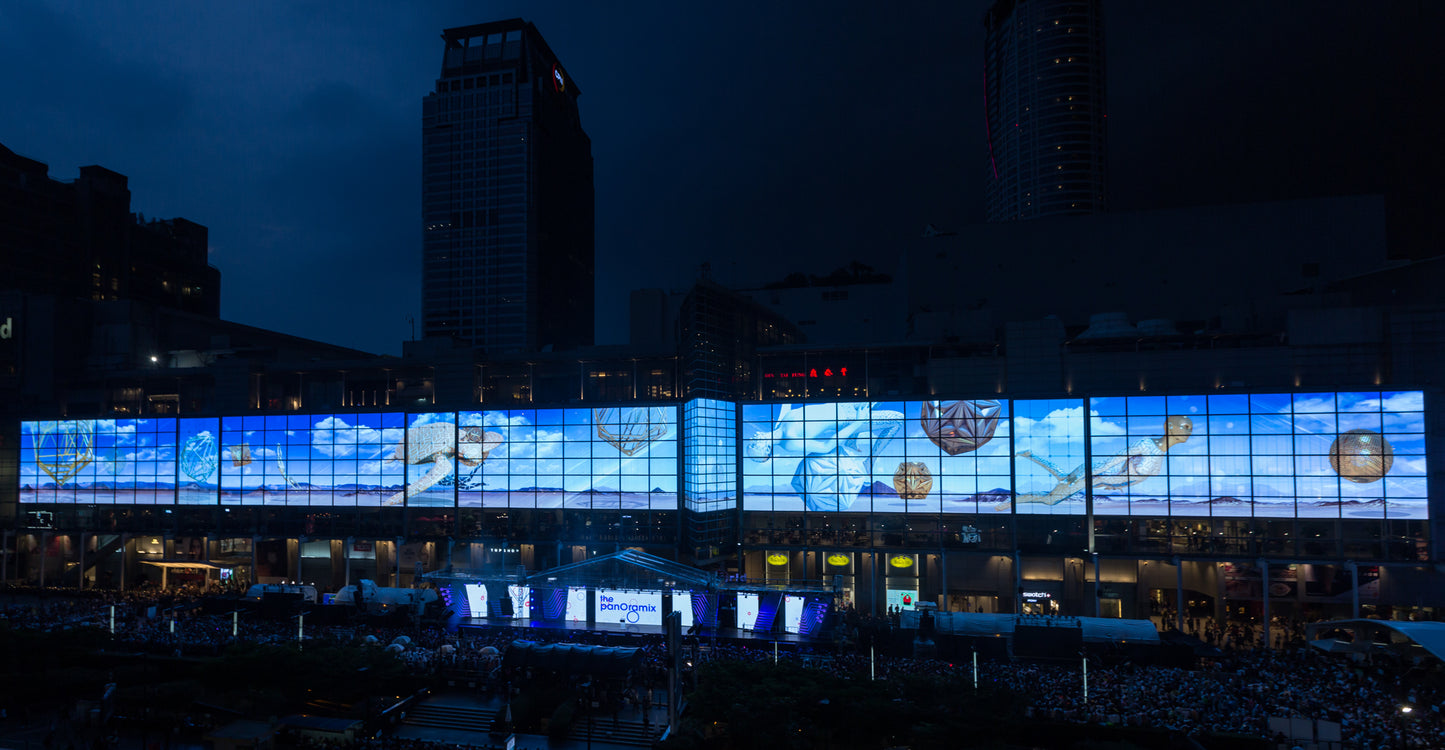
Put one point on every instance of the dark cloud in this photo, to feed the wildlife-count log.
(73, 88)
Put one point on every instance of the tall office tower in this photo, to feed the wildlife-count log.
(507, 198)
(1044, 103)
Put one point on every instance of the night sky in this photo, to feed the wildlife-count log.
(736, 134)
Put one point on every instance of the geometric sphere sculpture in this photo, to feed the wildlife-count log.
(960, 426)
(1361, 456)
(912, 481)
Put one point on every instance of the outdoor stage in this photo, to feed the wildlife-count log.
(540, 628)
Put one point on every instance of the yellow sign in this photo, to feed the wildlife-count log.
(901, 561)
(777, 558)
(838, 559)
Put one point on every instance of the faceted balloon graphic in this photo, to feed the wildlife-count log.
(199, 457)
(959, 426)
(1361, 456)
(62, 449)
(912, 480)
(632, 428)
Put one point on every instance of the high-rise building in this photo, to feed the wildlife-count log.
(507, 196)
(80, 240)
(1045, 107)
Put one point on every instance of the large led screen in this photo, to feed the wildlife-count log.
(682, 605)
(576, 604)
(710, 451)
(884, 457)
(609, 458)
(198, 467)
(747, 611)
(793, 607)
(629, 607)
(476, 599)
(100, 461)
(303, 459)
(1306, 455)
(1048, 457)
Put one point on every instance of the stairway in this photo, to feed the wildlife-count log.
(443, 716)
(630, 732)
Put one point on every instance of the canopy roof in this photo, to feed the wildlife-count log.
(1396, 635)
(573, 658)
(628, 569)
(1096, 629)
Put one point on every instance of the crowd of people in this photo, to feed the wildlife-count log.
(1238, 691)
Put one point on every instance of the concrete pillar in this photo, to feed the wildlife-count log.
(942, 577)
(1178, 595)
(1264, 587)
(1098, 593)
(44, 542)
(396, 561)
(1018, 583)
(1354, 589)
(80, 555)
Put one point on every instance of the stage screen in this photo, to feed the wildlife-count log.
(100, 461)
(1306, 455)
(476, 599)
(629, 607)
(747, 611)
(608, 458)
(308, 459)
(793, 607)
(682, 605)
(576, 604)
(710, 452)
(521, 601)
(882, 457)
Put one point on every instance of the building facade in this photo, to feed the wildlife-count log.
(1044, 101)
(900, 474)
(80, 239)
(507, 195)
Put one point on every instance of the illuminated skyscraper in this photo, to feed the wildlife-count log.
(507, 196)
(1045, 107)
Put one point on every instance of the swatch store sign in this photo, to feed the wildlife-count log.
(630, 607)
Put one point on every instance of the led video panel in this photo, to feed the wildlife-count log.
(609, 458)
(883, 457)
(1048, 457)
(747, 611)
(576, 604)
(521, 601)
(98, 461)
(710, 452)
(629, 607)
(682, 605)
(434, 459)
(1282, 455)
(476, 599)
(309, 459)
(793, 607)
(198, 467)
